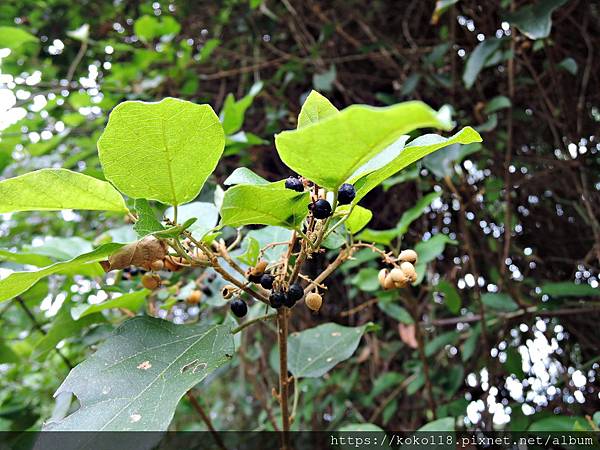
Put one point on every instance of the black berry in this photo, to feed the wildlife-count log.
(321, 209)
(266, 281)
(276, 299)
(289, 300)
(295, 292)
(294, 184)
(238, 307)
(346, 194)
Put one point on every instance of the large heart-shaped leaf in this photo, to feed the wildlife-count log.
(162, 151)
(313, 352)
(407, 155)
(18, 282)
(329, 151)
(56, 189)
(270, 204)
(136, 378)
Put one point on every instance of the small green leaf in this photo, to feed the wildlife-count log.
(135, 379)
(451, 297)
(428, 251)
(415, 150)
(358, 219)
(471, 342)
(233, 112)
(391, 307)
(478, 58)
(242, 175)
(569, 289)
(535, 20)
(499, 302)
(147, 27)
(250, 257)
(15, 37)
(446, 424)
(558, 424)
(328, 152)
(366, 279)
(359, 427)
(147, 222)
(496, 104)
(569, 64)
(316, 107)
(18, 282)
(270, 204)
(132, 301)
(514, 363)
(440, 342)
(56, 189)
(315, 351)
(441, 163)
(269, 235)
(161, 151)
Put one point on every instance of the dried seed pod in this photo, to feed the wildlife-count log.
(399, 277)
(409, 271)
(313, 301)
(157, 265)
(228, 291)
(382, 274)
(150, 281)
(388, 283)
(173, 263)
(194, 297)
(140, 254)
(256, 272)
(408, 256)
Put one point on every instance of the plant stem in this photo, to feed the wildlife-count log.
(206, 419)
(282, 332)
(253, 321)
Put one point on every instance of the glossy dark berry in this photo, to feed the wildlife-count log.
(266, 281)
(207, 291)
(294, 184)
(254, 278)
(321, 209)
(346, 194)
(295, 292)
(276, 299)
(288, 300)
(238, 307)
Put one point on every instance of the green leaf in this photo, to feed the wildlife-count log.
(441, 163)
(451, 297)
(471, 342)
(250, 257)
(56, 189)
(147, 27)
(358, 219)
(268, 235)
(315, 351)
(63, 326)
(270, 204)
(33, 259)
(394, 310)
(359, 427)
(415, 150)
(499, 302)
(147, 222)
(366, 279)
(478, 58)
(205, 214)
(387, 236)
(569, 64)
(161, 151)
(440, 342)
(496, 104)
(428, 251)
(558, 424)
(324, 81)
(7, 354)
(136, 378)
(18, 282)
(514, 363)
(15, 37)
(445, 424)
(233, 112)
(132, 301)
(242, 175)
(535, 21)
(316, 107)
(569, 289)
(328, 152)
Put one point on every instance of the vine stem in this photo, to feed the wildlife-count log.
(205, 418)
(282, 333)
(253, 321)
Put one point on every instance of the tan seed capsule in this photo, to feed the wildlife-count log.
(228, 291)
(399, 278)
(194, 297)
(382, 274)
(259, 269)
(409, 271)
(313, 301)
(408, 256)
(388, 283)
(150, 281)
(157, 265)
(173, 263)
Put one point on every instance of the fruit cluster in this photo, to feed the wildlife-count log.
(402, 274)
(320, 207)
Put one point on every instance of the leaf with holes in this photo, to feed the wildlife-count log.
(136, 378)
(161, 151)
(313, 352)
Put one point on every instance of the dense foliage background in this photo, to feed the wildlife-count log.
(508, 310)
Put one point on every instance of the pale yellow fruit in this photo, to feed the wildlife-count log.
(150, 281)
(399, 277)
(409, 271)
(408, 256)
(157, 265)
(388, 283)
(313, 301)
(194, 297)
(382, 274)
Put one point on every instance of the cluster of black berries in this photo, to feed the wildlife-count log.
(321, 208)
(288, 298)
